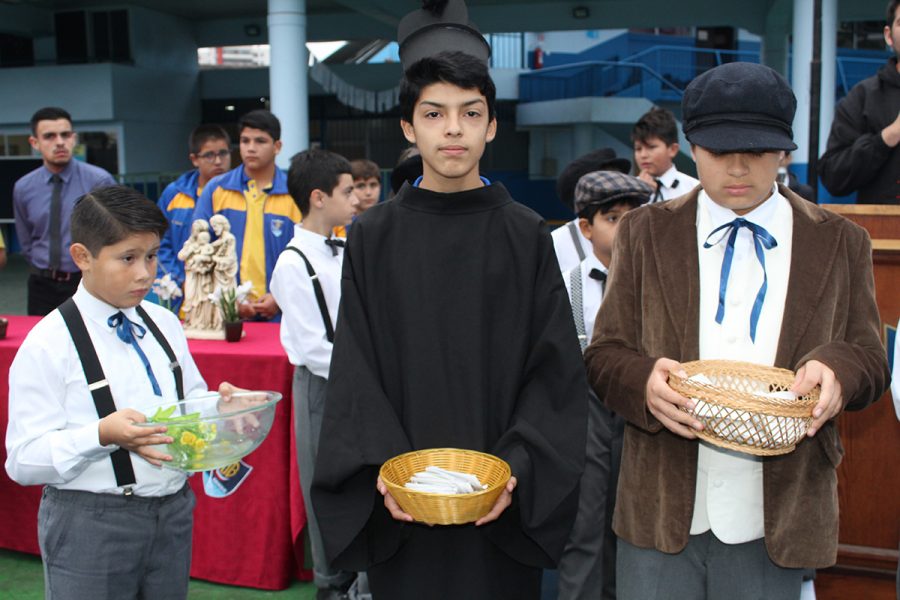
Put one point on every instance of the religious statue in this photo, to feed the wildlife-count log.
(224, 254)
(202, 316)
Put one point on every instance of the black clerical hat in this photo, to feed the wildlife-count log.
(608, 187)
(407, 171)
(439, 26)
(739, 107)
(604, 159)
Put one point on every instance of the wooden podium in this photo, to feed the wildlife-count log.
(869, 476)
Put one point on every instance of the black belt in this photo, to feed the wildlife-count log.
(53, 274)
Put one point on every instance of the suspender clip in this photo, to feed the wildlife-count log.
(128, 490)
(174, 366)
(98, 384)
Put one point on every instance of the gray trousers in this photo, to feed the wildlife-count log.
(706, 569)
(115, 547)
(309, 407)
(587, 569)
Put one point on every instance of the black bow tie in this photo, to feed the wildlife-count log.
(598, 275)
(334, 244)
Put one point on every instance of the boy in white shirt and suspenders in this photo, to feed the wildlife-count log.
(587, 569)
(306, 284)
(111, 523)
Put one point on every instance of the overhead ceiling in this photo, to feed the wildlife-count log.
(361, 19)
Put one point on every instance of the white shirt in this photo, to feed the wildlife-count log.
(302, 327)
(729, 491)
(566, 251)
(674, 183)
(591, 290)
(895, 376)
(53, 434)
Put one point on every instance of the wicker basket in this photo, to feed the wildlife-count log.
(737, 409)
(445, 509)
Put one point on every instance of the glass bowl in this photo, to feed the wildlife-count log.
(209, 432)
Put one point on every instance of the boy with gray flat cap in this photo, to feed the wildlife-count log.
(587, 569)
(740, 269)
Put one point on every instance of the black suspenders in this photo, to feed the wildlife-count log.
(160, 338)
(320, 295)
(99, 387)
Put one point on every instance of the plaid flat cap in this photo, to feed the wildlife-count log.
(605, 187)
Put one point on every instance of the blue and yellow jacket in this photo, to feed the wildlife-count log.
(177, 203)
(225, 195)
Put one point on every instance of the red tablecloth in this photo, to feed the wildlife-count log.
(251, 538)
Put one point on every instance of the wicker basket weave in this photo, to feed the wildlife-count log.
(735, 412)
(446, 509)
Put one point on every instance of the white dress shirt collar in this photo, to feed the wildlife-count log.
(592, 262)
(670, 177)
(763, 215)
(306, 239)
(92, 307)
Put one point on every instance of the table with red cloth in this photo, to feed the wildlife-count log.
(251, 538)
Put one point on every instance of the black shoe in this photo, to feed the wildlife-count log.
(331, 594)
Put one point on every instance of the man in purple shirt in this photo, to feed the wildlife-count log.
(42, 203)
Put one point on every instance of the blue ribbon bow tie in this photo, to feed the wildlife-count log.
(761, 239)
(127, 330)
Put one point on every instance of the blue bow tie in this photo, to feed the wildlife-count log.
(130, 332)
(761, 239)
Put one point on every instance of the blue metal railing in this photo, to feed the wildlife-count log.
(660, 73)
(594, 78)
(851, 70)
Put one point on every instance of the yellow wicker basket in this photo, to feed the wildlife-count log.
(446, 509)
(738, 404)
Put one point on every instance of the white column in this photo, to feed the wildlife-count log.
(800, 76)
(829, 70)
(288, 75)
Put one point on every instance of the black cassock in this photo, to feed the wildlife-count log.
(454, 330)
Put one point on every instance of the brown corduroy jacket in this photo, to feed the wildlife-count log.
(651, 311)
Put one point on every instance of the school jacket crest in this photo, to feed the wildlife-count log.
(651, 310)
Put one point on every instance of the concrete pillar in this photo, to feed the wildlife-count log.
(288, 75)
(800, 80)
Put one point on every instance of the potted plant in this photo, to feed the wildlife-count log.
(228, 301)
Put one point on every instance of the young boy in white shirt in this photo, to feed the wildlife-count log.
(655, 139)
(111, 524)
(587, 569)
(306, 284)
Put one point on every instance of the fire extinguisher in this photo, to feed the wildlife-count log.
(538, 57)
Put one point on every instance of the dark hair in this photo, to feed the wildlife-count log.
(109, 214)
(263, 120)
(892, 12)
(314, 169)
(657, 122)
(456, 68)
(49, 113)
(590, 210)
(364, 169)
(204, 133)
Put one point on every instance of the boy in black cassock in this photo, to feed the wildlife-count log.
(455, 331)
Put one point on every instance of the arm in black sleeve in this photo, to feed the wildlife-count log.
(855, 154)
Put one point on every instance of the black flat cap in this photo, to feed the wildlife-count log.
(608, 187)
(739, 107)
(604, 159)
(439, 26)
